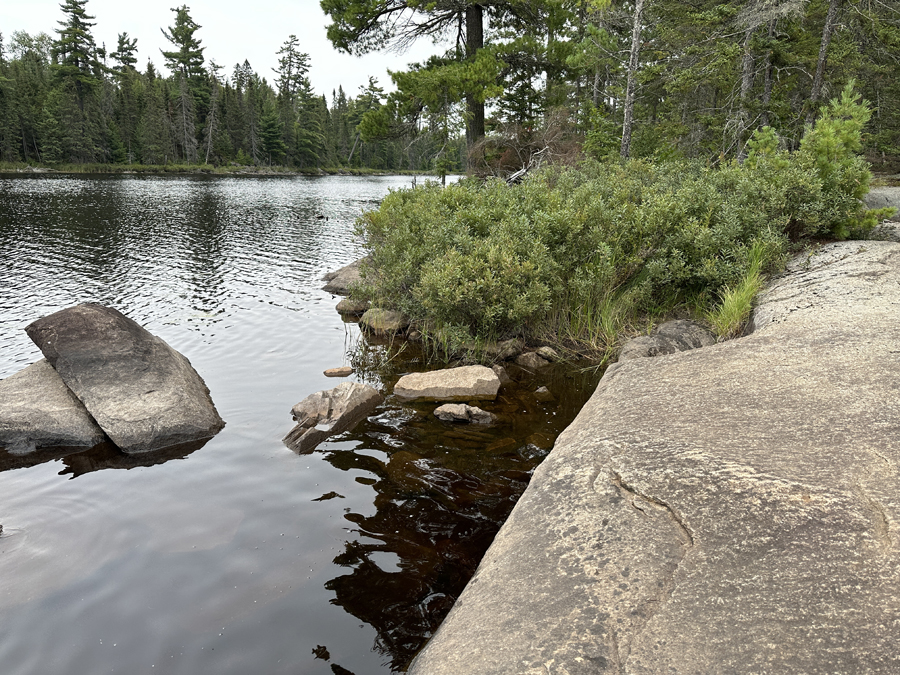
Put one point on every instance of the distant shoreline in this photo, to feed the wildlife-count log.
(16, 169)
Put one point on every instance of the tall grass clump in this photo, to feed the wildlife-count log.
(581, 254)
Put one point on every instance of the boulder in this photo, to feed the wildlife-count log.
(384, 321)
(505, 350)
(531, 361)
(460, 412)
(330, 412)
(881, 197)
(352, 307)
(467, 383)
(731, 509)
(142, 393)
(668, 338)
(38, 410)
(340, 281)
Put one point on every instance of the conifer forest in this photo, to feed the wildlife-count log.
(512, 82)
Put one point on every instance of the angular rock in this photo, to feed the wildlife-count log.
(341, 281)
(547, 353)
(140, 391)
(531, 361)
(460, 412)
(383, 321)
(352, 307)
(502, 375)
(668, 338)
(467, 383)
(330, 412)
(343, 371)
(38, 410)
(731, 509)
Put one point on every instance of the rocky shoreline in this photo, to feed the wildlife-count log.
(726, 509)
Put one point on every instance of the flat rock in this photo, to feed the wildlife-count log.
(343, 371)
(731, 509)
(38, 410)
(670, 337)
(467, 383)
(531, 361)
(330, 412)
(460, 412)
(384, 321)
(341, 281)
(141, 392)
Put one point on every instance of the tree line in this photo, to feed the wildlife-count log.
(513, 79)
(64, 99)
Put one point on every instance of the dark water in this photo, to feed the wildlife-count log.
(240, 556)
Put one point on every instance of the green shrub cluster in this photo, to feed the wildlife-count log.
(577, 251)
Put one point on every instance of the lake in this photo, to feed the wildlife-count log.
(240, 556)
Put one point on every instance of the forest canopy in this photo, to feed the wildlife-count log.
(510, 81)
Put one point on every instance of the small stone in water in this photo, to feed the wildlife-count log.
(343, 371)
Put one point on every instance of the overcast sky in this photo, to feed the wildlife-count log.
(231, 31)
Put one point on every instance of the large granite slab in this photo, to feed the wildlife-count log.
(141, 392)
(732, 509)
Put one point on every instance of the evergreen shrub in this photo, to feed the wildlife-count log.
(569, 248)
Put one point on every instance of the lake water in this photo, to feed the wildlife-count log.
(242, 556)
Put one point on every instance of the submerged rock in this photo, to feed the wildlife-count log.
(668, 338)
(38, 410)
(384, 321)
(330, 412)
(467, 383)
(460, 412)
(140, 391)
(531, 361)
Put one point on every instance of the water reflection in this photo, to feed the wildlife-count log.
(441, 493)
(79, 461)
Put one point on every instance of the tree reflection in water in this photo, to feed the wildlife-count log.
(441, 494)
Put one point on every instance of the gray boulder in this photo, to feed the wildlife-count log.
(141, 392)
(460, 412)
(467, 383)
(502, 375)
(881, 197)
(38, 410)
(731, 509)
(505, 350)
(384, 321)
(547, 353)
(330, 412)
(340, 281)
(668, 338)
